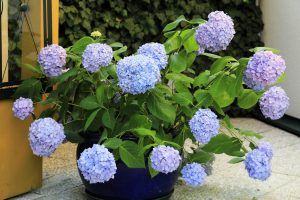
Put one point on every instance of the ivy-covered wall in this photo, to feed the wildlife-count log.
(134, 22)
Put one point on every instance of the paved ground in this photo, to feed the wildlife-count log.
(228, 182)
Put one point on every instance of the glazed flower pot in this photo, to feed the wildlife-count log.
(129, 183)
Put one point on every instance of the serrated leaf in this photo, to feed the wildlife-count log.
(178, 62)
(201, 157)
(201, 79)
(248, 99)
(129, 154)
(89, 103)
(113, 143)
(220, 64)
(108, 119)
(179, 77)
(79, 46)
(203, 98)
(174, 24)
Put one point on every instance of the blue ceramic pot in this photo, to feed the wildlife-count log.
(130, 183)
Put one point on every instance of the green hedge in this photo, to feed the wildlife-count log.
(134, 22)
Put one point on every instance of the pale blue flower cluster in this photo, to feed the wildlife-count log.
(97, 164)
(96, 56)
(258, 163)
(156, 51)
(52, 58)
(216, 34)
(137, 74)
(204, 125)
(22, 108)
(193, 174)
(266, 148)
(165, 159)
(45, 135)
(274, 103)
(263, 69)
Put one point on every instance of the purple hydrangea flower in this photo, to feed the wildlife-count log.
(216, 34)
(204, 125)
(274, 103)
(263, 69)
(45, 135)
(157, 52)
(96, 56)
(193, 174)
(266, 148)
(137, 74)
(165, 159)
(258, 165)
(52, 58)
(97, 164)
(22, 108)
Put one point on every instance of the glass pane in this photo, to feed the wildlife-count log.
(21, 37)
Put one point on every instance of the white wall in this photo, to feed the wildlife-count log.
(282, 31)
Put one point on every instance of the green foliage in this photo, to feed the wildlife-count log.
(125, 21)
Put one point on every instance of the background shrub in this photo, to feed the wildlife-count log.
(134, 22)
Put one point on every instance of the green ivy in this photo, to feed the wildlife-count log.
(135, 22)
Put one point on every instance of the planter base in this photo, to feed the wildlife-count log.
(91, 195)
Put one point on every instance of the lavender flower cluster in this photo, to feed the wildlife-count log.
(22, 108)
(157, 52)
(193, 174)
(137, 74)
(263, 69)
(96, 56)
(204, 125)
(45, 135)
(274, 103)
(258, 162)
(97, 164)
(216, 34)
(165, 159)
(52, 58)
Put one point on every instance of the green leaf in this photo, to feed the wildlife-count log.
(118, 52)
(173, 25)
(257, 49)
(136, 121)
(218, 108)
(103, 136)
(161, 108)
(152, 171)
(89, 103)
(129, 153)
(223, 144)
(251, 134)
(108, 119)
(221, 90)
(190, 60)
(228, 122)
(237, 85)
(174, 144)
(210, 55)
(281, 78)
(79, 46)
(35, 69)
(248, 99)
(236, 160)
(201, 157)
(183, 98)
(90, 119)
(30, 88)
(179, 77)
(203, 98)
(71, 72)
(220, 64)
(178, 62)
(144, 132)
(100, 94)
(173, 43)
(202, 79)
(188, 39)
(197, 21)
(73, 137)
(116, 44)
(47, 113)
(113, 143)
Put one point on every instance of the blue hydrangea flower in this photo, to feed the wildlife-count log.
(45, 135)
(156, 51)
(22, 108)
(258, 165)
(216, 34)
(204, 125)
(193, 174)
(97, 164)
(266, 148)
(137, 74)
(263, 69)
(96, 56)
(274, 103)
(52, 58)
(165, 159)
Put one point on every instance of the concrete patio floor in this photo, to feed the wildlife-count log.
(228, 182)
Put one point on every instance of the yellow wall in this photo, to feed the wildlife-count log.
(20, 170)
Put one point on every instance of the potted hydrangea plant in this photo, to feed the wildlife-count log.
(145, 119)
